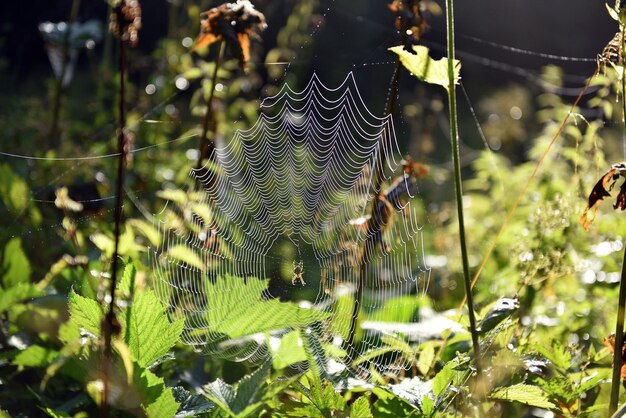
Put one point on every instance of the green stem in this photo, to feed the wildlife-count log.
(454, 136)
(621, 301)
(374, 224)
(109, 322)
(208, 116)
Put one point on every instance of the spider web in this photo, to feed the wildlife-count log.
(302, 173)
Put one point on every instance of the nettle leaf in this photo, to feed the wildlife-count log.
(157, 399)
(243, 399)
(526, 394)
(361, 408)
(165, 406)
(422, 66)
(150, 335)
(249, 314)
(248, 388)
(85, 313)
(15, 266)
(221, 393)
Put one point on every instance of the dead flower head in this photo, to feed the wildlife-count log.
(126, 21)
(602, 190)
(409, 18)
(235, 23)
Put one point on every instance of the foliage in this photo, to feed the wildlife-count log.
(545, 300)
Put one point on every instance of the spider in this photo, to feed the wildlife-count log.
(298, 270)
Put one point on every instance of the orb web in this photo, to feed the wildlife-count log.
(304, 174)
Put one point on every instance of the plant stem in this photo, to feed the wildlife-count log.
(457, 178)
(374, 225)
(58, 92)
(621, 301)
(619, 336)
(208, 116)
(109, 324)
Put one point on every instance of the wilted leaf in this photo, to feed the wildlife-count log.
(234, 23)
(610, 343)
(422, 66)
(602, 190)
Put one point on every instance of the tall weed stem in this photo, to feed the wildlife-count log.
(621, 301)
(457, 177)
(109, 324)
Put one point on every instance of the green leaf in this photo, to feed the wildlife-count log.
(442, 380)
(18, 293)
(290, 351)
(249, 388)
(526, 394)
(165, 405)
(13, 190)
(361, 408)
(149, 333)
(221, 393)
(35, 356)
(422, 66)
(248, 313)
(15, 266)
(393, 407)
(85, 313)
(186, 255)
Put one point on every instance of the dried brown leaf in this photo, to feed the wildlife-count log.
(602, 190)
(234, 23)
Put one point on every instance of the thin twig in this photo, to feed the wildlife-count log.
(208, 116)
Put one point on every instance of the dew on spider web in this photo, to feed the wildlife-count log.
(295, 188)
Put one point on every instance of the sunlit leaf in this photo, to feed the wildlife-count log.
(526, 394)
(151, 335)
(15, 265)
(422, 66)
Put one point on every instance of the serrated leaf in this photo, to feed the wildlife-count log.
(361, 408)
(15, 265)
(526, 394)
(443, 379)
(248, 388)
(85, 313)
(165, 406)
(150, 335)
(248, 313)
(422, 66)
(221, 393)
